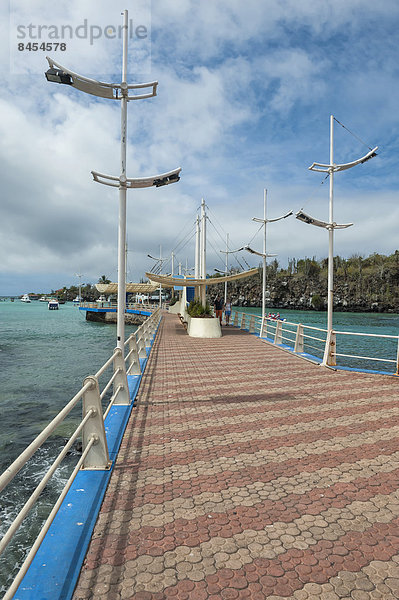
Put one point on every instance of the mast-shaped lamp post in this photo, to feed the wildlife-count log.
(225, 272)
(202, 267)
(264, 255)
(122, 92)
(329, 353)
(159, 260)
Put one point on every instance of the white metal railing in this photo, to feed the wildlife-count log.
(130, 306)
(315, 341)
(371, 336)
(91, 429)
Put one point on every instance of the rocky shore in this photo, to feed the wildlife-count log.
(110, 317)
(299, 292)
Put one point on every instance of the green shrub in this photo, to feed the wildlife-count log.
(195, 309)
(317, 302)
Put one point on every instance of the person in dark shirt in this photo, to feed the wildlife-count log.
(219, 308)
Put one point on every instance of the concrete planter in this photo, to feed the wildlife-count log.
(204, 327)
(175, 308)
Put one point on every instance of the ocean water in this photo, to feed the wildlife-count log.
(44, 358)
(371, 323)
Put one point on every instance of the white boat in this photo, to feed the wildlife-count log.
(77, 300)
(53, 304)
(25, 298)
(45, 299)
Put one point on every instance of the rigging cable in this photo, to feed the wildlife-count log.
(234, 254)
(354, 134)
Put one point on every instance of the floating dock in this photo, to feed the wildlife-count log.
(248, 472)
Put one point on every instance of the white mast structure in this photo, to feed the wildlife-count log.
(330, 169)
(203, 252)
(159, 260)
(117, 91)
(197, 248)
(263, 254)
(226, 266)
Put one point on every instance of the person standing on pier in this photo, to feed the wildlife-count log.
(219, 304)
(227, 311)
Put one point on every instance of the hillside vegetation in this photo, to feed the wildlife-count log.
(360, 284)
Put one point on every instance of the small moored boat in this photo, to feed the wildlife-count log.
(25, 298)
(53, 304)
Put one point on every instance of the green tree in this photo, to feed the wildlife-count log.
(104, 279)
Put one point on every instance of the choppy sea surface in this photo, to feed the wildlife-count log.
(44, 358)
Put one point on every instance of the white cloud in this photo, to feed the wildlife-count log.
(245, 94)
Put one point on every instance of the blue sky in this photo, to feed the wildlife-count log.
(245, 93)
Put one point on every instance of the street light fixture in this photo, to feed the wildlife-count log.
(330, 169)
(123, 92)
(263, 254)
(58, 76)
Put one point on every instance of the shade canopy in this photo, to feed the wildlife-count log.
(131, 288)
(168, 281)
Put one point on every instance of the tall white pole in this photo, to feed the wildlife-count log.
(264, 260)
(197, 248)
(330, 291)
(203, 240)
(126, 261)
(203, 251)
(226, 266)
(160, 285)
(173, 272)
(120, 325)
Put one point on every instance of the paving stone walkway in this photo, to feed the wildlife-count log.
(247, 472)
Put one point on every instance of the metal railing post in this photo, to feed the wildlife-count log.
(140, 339)
(121, 388)
(299, 339)
(242, 325)
(279, 333)
(235, 322)
(252, 324)
(265, 325)
(329, 357)
(146, 333)
(397, 359)
(97, 457)
(134, 367)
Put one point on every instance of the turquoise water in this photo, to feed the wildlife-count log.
(374, 323)
(44, 357)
